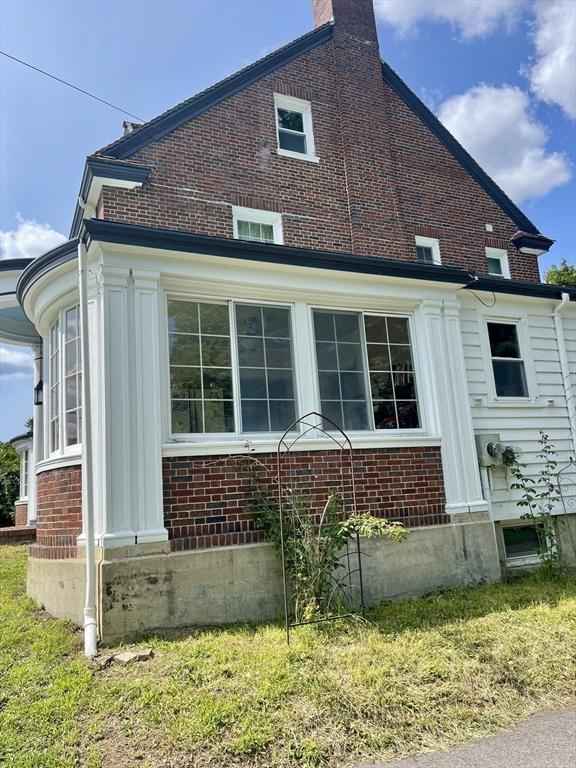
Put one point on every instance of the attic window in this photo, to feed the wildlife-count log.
(428, 250)
(294, 128)
(257, 226)
(497, 263)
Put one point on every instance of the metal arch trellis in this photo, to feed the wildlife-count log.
(339, 603)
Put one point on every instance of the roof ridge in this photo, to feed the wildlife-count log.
(274, 59)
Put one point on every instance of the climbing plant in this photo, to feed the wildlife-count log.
(538, 497)
(314, 539)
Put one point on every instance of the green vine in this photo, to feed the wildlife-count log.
(313, 542)
(539, 497)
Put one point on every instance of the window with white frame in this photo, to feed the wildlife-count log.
(65, 382)
(258, 226)
(294, 127)
(24, 471)
(428, 250)
(522, 543)
(366, 373)
(497, 262)
(231, 367)
(507, 364)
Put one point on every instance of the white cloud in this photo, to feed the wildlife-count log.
(470, 18)
(15, 363)
(28, 240)
(553, 76)
(496, 126)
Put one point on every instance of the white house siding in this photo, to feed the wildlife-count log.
(519, 423)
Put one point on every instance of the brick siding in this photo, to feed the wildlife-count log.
(16, 534)
(382, 177)
(59, 509)
(21, 514)
(206, 499)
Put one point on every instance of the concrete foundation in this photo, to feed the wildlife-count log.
(148, 587)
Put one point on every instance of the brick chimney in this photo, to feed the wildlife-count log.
(373, 207)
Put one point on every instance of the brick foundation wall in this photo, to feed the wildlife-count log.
(17, 535)
(21, 514)
(382, 177)
(59, 509)
(206, 499)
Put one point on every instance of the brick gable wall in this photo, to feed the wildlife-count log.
(206, 499)
(59, 510)
(382, 176)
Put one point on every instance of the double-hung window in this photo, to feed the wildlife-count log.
(258, 226)
(507, 364)
(294, 127)
(366, 372)
(65, 382)
(231, 367)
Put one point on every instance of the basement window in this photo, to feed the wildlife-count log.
(257, 226)
(294, 127)
(497, 263)
(521, 543)
(507, 363)
(428, 250)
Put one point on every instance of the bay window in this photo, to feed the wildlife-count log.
(232, 368)
(65, 382)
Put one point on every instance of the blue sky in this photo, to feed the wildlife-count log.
(499, 73)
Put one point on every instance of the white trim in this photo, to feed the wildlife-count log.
(292, 104)
(258, 217)
(430, 242)
(58, 462)
(502, 255)
(247, 444)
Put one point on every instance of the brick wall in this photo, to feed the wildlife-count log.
(206, 498)
(59, 510)
(382, 176)
(21, 513)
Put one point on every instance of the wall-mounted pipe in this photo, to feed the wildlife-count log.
(569, 393)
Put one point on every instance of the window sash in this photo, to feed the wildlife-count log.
(64, 407)
(506, 382)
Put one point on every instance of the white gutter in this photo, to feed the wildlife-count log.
(569, 393)
(90, 623)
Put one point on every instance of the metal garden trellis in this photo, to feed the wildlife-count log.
(316, 424)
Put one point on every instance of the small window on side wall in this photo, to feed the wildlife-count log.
(522, 543)
(507, 363)
(257, 226)
(427, 250)
(497, 263)
(294, 127)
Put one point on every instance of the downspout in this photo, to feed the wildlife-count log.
(90, 622)
(569, 393)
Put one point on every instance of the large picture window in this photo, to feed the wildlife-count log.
(365, 370)
(230, 367)
(65, 382)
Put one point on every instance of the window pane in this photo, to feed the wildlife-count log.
(400, 358)
(510, 378)
(329, 383)
(404, 386)
(503, 340)
(385, 415)
(216, 351)
(214, 319)
(253, 383)
(355, 415)
(72, 323)
(186, 383)
(293, 121)
(398, 330)
(521, 541)
(353, 386)
(381, 386)
(379, 357)
(187, 416)
(294, 142)
(183, 317)
(184, 350)
(425, 254)
(347, 328)
(494, 266)
(324, 327)
(71, 357)
(248, 320)
(217, 383)
(71, 428)
(257, 231)
(326, 354)
(350, 357)
(243, 229)
(333, 410)
(219, 416)
(71, 393)
(255, 416)
(375, 329)
(266, 376)
(407, 414)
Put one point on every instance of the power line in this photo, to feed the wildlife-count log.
(86, 93)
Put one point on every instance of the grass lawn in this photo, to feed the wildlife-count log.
(419, 675)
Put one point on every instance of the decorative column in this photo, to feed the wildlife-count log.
(37, 436)
(447, 383)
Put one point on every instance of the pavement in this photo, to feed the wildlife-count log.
(543, 741)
